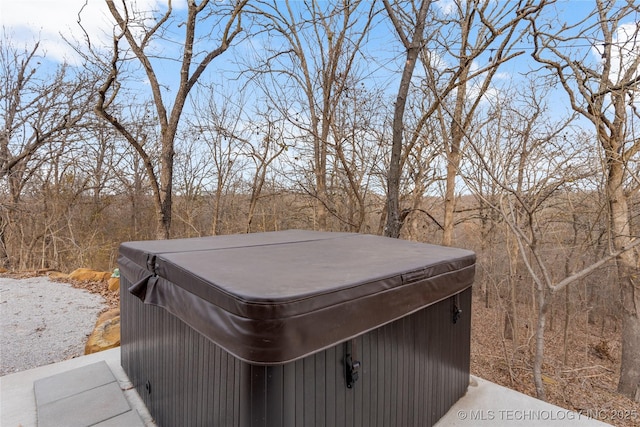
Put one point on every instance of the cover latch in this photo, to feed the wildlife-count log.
(457, 311)
(351, 366)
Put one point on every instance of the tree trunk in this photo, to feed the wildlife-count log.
(256, 191)
(215, 220)
(166, 187)
(453, 160)
(510, 319)
(539, 355)
(566, 321)
(4, 254)
(629, 383)
(321, 187)
(453, 153)
(394, 222)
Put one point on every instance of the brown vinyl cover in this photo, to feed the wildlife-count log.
(275, 297)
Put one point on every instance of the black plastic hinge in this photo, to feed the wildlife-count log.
(151, 263)
(351, 366)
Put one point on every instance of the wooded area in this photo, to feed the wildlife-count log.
(509, 128)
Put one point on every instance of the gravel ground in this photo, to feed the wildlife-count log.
(43, 322)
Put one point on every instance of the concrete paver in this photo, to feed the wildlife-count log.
(72, 382)
(18, 407)
(86, 408)
(130, 418)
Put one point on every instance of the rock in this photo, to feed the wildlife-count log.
(57, 275)
(88, 275)
(106, 333)
(114, 284)
(108, 315)
(602, 350)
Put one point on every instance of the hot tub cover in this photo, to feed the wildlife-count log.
(271, 298)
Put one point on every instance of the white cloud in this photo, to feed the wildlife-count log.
(437, 60)
(503, 75)
(489, 96)
(447, 7)
(27, 21)
(625, 48)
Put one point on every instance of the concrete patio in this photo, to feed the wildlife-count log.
(95, 391)
(85, 391)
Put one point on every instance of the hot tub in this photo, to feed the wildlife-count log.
(296, 328)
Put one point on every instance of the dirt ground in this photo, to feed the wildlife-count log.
(586, 383)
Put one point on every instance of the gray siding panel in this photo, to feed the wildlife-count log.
(412, 371)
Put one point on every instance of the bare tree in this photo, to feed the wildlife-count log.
(422, 167)
(311, 71)
(527, 185)
(222, 129)
(193, 175)
(604, 90)
(455, 80)
(263, 153)
(484, 26)
(40, 111)
(537, 162)
(131, 173)
(358, 131)
(141, 30)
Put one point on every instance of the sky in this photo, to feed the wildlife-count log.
(53, 21)
(50, 21)
(27, 21)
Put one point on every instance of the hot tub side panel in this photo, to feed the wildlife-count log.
(412, 371)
